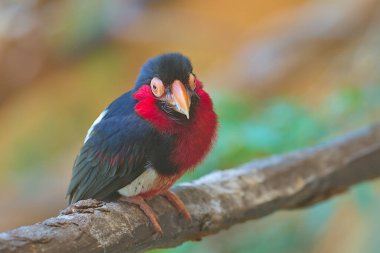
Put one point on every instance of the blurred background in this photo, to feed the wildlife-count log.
(283, 75)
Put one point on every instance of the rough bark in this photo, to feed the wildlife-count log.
(216, 201)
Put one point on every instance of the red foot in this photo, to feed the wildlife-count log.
(148, 211)
(177, 203)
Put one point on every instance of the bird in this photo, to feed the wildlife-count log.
(147, 138)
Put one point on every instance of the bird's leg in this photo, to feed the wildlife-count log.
(148, 211)
(177, 203)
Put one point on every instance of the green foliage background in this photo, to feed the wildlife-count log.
(94, 61)
(252, 128)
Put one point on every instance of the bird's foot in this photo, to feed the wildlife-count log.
(178, 204)
(148, 211)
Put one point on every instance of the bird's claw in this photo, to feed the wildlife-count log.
(147, 210)
(178, 204)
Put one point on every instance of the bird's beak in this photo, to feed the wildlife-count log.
(181, 98)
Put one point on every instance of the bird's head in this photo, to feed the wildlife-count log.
(172, 84)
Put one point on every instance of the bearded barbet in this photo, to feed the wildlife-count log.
(146, 139)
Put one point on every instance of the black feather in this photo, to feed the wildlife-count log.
(122, 144)
(167, 67)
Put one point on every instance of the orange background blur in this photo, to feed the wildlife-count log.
(283, 74)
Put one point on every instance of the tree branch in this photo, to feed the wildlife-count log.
(216, 201)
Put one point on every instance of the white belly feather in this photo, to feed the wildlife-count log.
(142, 183)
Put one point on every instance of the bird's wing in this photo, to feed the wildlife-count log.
(113, 156)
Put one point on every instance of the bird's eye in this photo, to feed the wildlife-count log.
(157, 87)
(192, 81)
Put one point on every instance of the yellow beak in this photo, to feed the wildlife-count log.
(181, 98)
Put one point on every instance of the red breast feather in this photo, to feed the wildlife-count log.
(193, 140)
